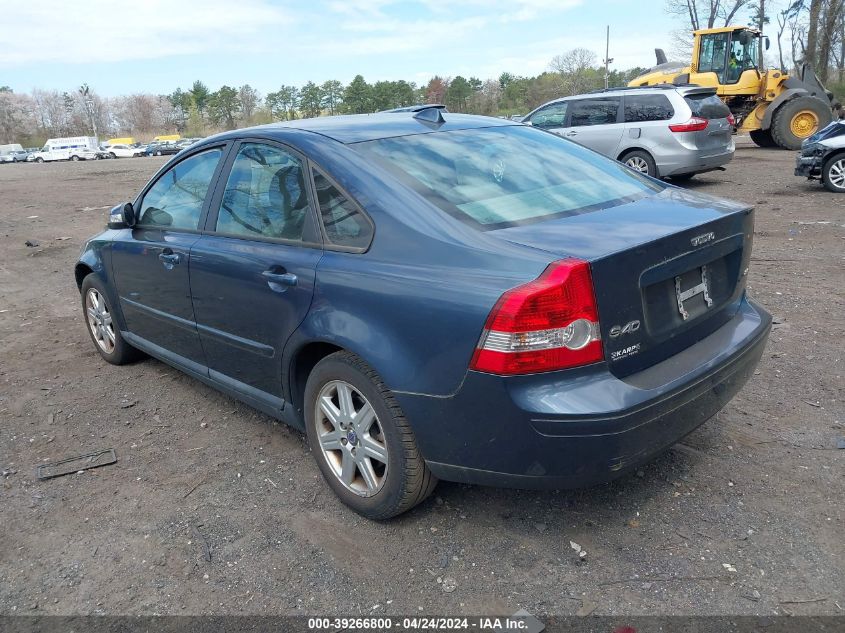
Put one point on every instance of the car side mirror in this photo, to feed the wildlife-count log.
(122, 216)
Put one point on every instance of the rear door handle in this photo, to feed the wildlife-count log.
(279, 280)
(169, 258)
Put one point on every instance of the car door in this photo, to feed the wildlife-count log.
(595, 122)
(551, 117)
(151, 261)
(253, 271)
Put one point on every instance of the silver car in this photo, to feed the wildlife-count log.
(663, 131)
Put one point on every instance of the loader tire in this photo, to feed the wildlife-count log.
(798, 119)
(762, 138)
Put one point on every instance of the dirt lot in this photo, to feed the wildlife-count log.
(747, 516)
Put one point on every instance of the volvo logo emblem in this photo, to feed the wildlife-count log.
(698, 240)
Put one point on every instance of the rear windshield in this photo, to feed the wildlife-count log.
(506, 176)
(707, 106)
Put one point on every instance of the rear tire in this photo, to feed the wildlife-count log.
(343, 441)
(762, 138)
(640, 161)
(74, 158)
(99, 321)
(797, 119)
(833, 174)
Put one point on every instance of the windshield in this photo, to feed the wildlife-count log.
(506, 176)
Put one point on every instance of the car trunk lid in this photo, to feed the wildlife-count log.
(667, 269)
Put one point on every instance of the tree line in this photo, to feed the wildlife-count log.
(196, 110)
(811, 31)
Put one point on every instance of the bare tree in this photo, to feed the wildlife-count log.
(574, 68)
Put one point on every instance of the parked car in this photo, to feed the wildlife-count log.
(17, 156)
(122, 151)
(662, 131)
(822, 157)
(433, 295)
(12, 153)
(162, 149)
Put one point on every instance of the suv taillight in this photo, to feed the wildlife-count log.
(547, 324)
(731, 120)
(695, 124)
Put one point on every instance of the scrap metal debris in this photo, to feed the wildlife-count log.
(76, 464)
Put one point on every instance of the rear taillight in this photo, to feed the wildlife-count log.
(695, 124)
(731, 120)
(547, 324)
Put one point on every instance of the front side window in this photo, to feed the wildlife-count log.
(586, 112)
(647, 108)
(175, 201)
(742, 57)
(265, 194)
(712, 54)
(550, 116)
(344, 224)
(505, 176)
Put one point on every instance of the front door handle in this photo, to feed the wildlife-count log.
(570, 134)
(278, 279)
(169, 258)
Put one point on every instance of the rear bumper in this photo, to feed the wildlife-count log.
(581, 427)
(695, 162)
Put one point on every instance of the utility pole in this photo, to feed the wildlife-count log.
(607, 60)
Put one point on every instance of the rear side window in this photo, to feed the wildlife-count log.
(265, 195)
(586, 112)
(647, 108)
(707, 106)
(344, 223)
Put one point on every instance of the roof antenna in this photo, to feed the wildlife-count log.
(430, 115)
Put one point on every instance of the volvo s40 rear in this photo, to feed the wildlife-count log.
(431, 295)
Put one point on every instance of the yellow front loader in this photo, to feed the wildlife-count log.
(777, 110)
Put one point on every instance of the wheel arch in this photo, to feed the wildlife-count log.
(299, 366)
(787, 95)
(635, 148)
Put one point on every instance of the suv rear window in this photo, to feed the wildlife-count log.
(505, 176)
(707, 106)
(647, 108)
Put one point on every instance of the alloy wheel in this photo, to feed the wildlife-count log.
(100, 320)
(638, 163)
(351, 438)
(836, 174)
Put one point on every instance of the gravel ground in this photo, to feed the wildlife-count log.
(214, 508)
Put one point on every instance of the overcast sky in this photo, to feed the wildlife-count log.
(159, 45)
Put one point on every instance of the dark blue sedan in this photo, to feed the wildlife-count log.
(433, 295)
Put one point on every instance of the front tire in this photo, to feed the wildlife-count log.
(797, 119)
(362, 442)
(833, 174)
(640, 161)
(104, 332)
(74, 158)
(39, 160)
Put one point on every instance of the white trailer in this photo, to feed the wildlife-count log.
(69, 148)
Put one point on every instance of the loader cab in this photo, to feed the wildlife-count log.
(727, 59)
